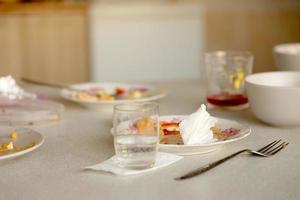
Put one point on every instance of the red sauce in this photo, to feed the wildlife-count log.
(166, 132)
(226, 99)
(120, 90)
(165, 124)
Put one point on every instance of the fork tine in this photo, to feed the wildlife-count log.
(277, 149)
(268, 145)
(274, 148)
(271, 147)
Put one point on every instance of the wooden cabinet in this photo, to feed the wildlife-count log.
(10, 45)
(45, 45)
(56, 48)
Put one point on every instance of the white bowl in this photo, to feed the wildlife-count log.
(274, 97)
(287, 56)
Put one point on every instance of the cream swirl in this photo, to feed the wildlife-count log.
(196, 128)
(10, 89)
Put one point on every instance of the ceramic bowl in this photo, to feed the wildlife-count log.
(287, 56)
(274, 97)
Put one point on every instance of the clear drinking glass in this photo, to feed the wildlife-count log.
(226, 72)
(136, 134)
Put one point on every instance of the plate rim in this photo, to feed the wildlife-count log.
(16, 154)
(24, 118)
(160, 94)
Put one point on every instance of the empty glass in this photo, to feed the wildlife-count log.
(136, 134)
(226, 72)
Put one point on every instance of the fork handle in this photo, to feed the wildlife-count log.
(210, 166)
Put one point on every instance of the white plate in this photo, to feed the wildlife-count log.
(154, 92)
(25, 137)
(205, 148)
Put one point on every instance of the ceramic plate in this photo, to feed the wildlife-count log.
(209, 147)
(153, 94)
(26, 138)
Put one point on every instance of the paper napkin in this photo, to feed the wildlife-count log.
(111, 165)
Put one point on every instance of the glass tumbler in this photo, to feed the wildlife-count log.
(136, 134)
(226, 72)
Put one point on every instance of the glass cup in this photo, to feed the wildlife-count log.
(136, 134)
(226, 72)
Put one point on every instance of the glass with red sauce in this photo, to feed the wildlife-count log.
(226, 72)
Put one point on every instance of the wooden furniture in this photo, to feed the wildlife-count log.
(256, 26)
(48, 41)
(10, 45)
(44, 42)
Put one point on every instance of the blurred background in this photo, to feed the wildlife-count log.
(70, 41)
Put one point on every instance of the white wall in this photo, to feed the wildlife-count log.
(146, 41)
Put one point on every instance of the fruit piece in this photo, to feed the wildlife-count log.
(146, 125)
(135, 95)
(120, 90)
(107, 97)
(13, 135)
(8, 146)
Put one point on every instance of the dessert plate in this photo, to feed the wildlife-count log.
(223, 124)
(24, 141)
(150, 93)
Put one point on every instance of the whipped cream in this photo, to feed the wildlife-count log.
(196, 128)
(10, 89)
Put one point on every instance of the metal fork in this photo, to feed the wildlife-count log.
(266, 151)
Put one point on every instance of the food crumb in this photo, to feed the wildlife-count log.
(13, 135)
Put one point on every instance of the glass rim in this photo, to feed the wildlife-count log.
(220, 53)
(136, 107)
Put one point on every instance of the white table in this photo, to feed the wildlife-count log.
(82, 138)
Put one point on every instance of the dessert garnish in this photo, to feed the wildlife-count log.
(169, 132)
(196, 128)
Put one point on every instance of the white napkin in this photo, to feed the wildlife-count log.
(111, 165)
